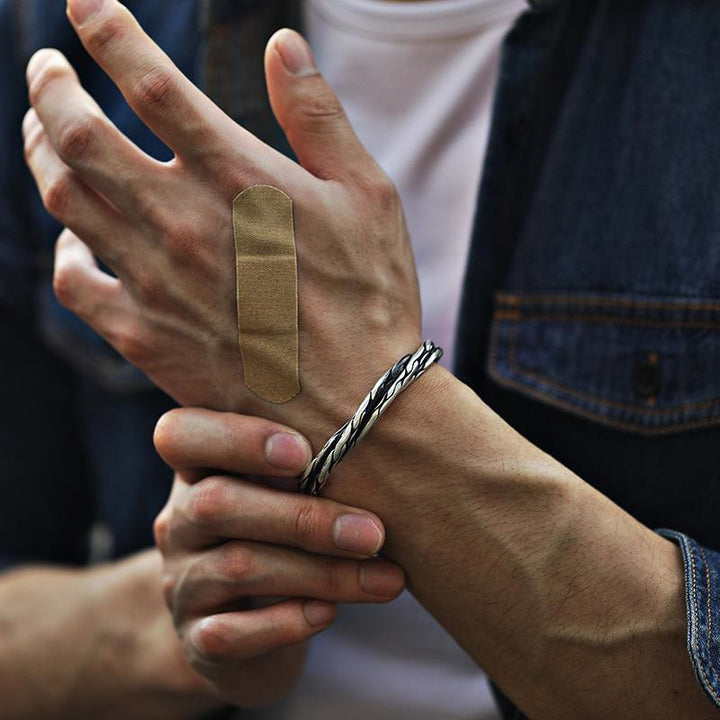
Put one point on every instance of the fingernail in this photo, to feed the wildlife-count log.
(295, 53)
(378, 577)
(287, 451)
(318, 613)
(81, 11)
(357, 533)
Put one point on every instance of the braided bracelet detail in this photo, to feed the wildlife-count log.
(388, 387)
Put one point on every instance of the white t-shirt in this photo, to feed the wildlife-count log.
(417, 81)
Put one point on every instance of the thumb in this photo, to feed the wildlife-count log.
(309, 112)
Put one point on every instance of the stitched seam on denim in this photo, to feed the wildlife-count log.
(597, 417)
(523, 370)
(517, 315)
(512, 350)
(688, 556)
(700, 405)
(709, 608)
(708, 685)
(514, 299)
(544, 397)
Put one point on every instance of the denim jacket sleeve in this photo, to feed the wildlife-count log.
(702, 600)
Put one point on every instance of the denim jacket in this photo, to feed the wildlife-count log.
(591, 311)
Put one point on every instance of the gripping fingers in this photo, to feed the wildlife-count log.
(222, 507)
(187, 438)
(218, 643)
(226, 574)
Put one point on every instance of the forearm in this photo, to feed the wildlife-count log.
(556, 581)
(574, 608)
(72, 645)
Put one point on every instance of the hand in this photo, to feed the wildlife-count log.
(165, 228)
(141, 639)
(94, 642)
(231, 544)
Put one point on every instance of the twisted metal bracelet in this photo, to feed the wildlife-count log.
(388, 387)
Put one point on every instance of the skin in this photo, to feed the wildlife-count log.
(265, 544)
(106, 646)
(574, 608)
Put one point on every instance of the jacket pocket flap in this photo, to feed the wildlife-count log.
(643, 364)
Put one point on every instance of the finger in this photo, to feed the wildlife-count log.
(219, 578)
(82, 135)
(193, 437)
(309, 112)
(177, 111)
(83, 288)
(215, 645)
(221, 507)
(69, 200)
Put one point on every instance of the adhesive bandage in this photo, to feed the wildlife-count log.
(267, 292)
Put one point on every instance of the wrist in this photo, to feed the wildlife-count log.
(478, 517)
(437, 440)
(138, 643)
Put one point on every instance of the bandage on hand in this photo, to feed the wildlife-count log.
(165, 229)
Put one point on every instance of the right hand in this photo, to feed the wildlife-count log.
(230, 544)
(165, 228)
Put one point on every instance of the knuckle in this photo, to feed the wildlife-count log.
(332, 578)
(237, 562)
(51, 70)
(206, 501)
(381, 191)
(156, 88)
(28, 149)
(322, 105)
(105, 34)
(161, 530)
(307, 525)
(209, 643)
(147, 287)
(32, 142)
(169, 584)
(58, 195)
(64, 286)
(130, 342)
(187, 248)
(233, 440)
(76, 137)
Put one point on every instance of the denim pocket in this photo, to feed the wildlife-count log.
(641, 364)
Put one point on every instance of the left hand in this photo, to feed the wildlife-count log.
(165, 228)
(229, 544)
